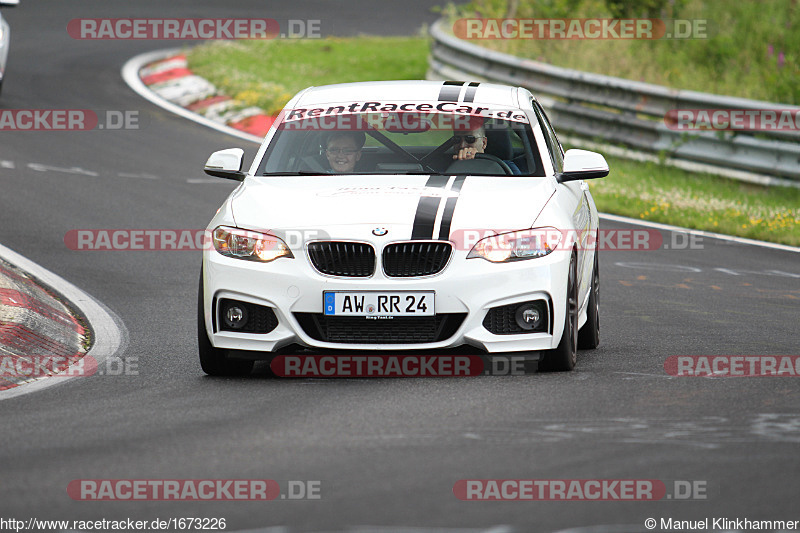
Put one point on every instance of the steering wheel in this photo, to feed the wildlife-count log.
(497, 160)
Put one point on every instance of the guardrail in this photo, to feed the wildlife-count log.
(616, 110)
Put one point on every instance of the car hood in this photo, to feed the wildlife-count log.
(404, 205)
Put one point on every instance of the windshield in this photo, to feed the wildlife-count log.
(402, 138)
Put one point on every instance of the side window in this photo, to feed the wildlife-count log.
(556, 151)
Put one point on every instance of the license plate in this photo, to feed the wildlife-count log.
(378, 304)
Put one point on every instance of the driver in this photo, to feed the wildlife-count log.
(470, 143)
(343, 150)
(474, 142)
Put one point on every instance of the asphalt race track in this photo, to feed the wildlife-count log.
(387, 452)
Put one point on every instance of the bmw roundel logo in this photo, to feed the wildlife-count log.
(380, 232)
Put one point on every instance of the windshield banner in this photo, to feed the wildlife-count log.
(409, 116)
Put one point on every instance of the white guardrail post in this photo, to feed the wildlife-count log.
(619, 111)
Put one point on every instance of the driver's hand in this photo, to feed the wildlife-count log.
(465, 153)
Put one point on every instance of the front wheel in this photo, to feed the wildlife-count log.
(565, 356)
(589, 334)
(213, 360)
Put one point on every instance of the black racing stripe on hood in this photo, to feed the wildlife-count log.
(427, 207)
(425, 218)
(449, 209)
(437, 181)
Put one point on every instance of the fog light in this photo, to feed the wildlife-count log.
(528, 316)
(235, 317)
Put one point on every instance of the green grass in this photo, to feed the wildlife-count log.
(666, 194)
(268, 73)
(740, 57)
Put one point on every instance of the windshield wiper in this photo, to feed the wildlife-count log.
(296, 173)
(418, 173)
(361, 173)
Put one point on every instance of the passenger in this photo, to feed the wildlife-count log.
(343, 150)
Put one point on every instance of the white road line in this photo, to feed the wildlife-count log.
(39, 167)
(110, 334)
(720, 236)
(72, 170)
(641, 374)
(144, 176)
(384, 529)
(207, 180)
(611, 528)
(130, 73)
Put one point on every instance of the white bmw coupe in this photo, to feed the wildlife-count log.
(403, 215)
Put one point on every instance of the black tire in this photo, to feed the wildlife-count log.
(214, 360)
(565, 356)
(589, 334)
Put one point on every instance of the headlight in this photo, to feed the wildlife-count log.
(517, 245)
(249, 245)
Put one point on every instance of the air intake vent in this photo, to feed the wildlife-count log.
(411, 259)
(397, 330)
(341, 258)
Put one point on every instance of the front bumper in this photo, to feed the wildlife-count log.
(469, 287)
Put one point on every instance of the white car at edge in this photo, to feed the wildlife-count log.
(414, 248)
(5, 38)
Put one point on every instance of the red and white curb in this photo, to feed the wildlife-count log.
(38, 334)
(165, 79)
(42, 343)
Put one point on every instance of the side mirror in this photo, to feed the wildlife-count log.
(226, 164)
(582, 165)
(9, 3)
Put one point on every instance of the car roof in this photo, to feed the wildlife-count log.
(412, 90)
